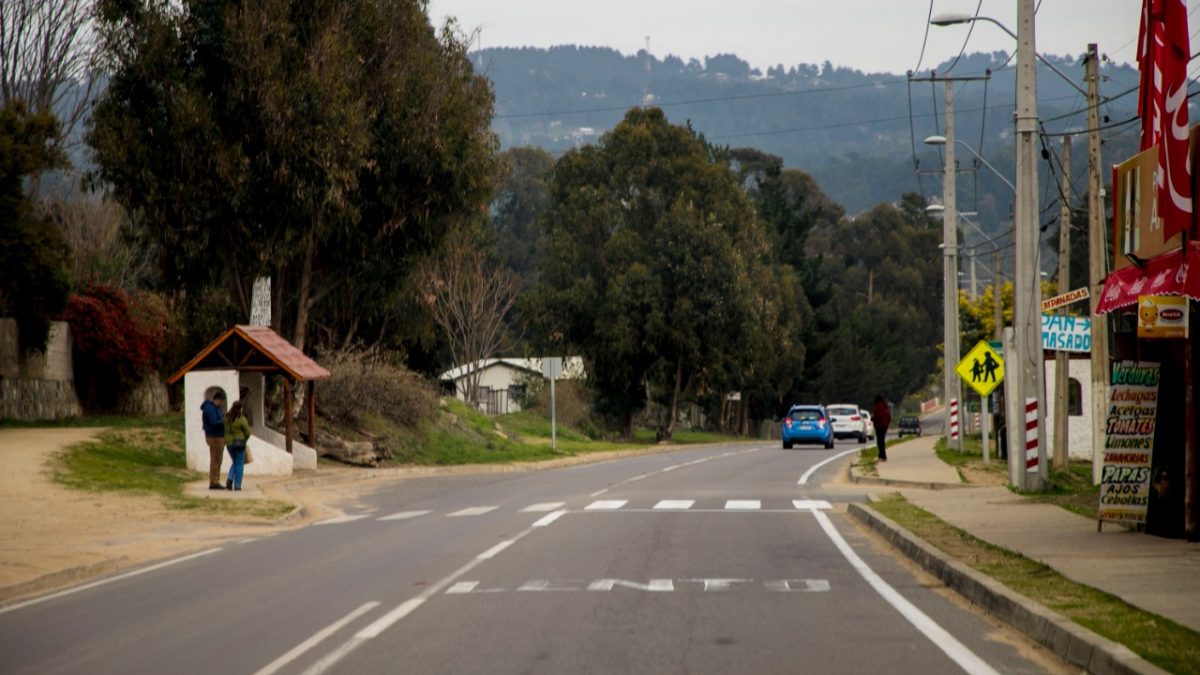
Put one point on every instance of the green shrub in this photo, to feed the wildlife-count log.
(368, 382)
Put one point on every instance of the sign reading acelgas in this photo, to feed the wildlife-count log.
(1162, 316)
(1129, 442)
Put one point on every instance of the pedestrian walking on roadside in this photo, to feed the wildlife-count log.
(213, 421)
(237, 435)
(881, 417)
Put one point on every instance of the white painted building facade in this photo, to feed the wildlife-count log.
(1079, 412)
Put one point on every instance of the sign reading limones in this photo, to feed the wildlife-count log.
(1129, 442)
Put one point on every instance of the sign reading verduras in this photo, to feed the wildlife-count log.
(1129, 442)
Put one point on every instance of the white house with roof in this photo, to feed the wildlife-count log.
(501, 380)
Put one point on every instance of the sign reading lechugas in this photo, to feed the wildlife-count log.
(1162, 316)
(1129, 442)
(1066, 333)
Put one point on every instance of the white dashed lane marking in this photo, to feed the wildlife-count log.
(673, 504)
(542, 508)
(743, 505)
(606, 505)
(405, 515)
(473, 511)
(344, 519)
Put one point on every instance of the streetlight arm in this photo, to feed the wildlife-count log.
(952, 19)
(986, 163)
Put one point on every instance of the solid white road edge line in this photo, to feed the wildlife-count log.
(119, 577)
(957, 651)
(405, 608)
(316, 639)
(813, 469)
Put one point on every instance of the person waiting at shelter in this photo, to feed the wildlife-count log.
(213, 421)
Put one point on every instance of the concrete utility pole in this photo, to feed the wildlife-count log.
(1026, 432)
(1062, 359)
(950, 379)
(1097, 265)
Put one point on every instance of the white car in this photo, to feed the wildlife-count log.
(847, 421)
(869, 423)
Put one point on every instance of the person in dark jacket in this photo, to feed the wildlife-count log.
(214, 435)
(881, 416)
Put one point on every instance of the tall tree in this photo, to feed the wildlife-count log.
(651, 248)
(46, 52)
(33, 254)
(324, 144)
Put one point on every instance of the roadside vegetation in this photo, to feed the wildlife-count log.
(1071, 489)
(148, 458)
(1156, 639)
(867, 462)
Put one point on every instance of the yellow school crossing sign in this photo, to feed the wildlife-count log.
(982, 368)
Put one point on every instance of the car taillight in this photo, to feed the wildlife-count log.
(821, 423)
(856, 418)
(788, 423)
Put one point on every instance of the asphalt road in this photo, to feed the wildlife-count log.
(731, 559)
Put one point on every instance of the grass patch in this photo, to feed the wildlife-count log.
(148, 460)
(1072, 490)
(647, 437)
(1156, 639)
(970, 459)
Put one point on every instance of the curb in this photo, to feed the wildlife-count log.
(891, 482)
(1070, 641)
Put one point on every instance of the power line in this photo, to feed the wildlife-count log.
(925, 40)
(970, 30)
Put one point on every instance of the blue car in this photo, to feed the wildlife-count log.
(806, 424)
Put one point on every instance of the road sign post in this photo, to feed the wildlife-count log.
(983, 370)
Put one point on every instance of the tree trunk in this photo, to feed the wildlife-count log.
(669, 427)
(305, 291)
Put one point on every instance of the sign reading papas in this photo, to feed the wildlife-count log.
(1129, 442)
(982, 368)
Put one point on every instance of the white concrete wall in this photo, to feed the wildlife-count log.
(1079, 427)
(267, 446)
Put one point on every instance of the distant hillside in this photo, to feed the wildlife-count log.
(850, 129)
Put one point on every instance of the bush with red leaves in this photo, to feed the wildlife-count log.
(118, 338)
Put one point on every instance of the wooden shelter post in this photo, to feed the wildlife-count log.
(287, 415)
(312, 413)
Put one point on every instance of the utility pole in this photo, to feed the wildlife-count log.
(974, 286)
(950, 356)
(1061, 358)
(1097, 265)
(1026, 433)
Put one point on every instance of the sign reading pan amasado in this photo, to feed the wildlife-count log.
(1129, 442)
(1063, 333)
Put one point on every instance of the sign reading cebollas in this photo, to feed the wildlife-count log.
(1066, 333)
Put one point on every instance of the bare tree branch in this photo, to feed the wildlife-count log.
(468, 297)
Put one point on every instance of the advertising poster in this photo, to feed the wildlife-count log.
(1129, 442)
(1162, 316)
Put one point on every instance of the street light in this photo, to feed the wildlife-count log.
(941, 140)
(956, 18)
(1026, 419)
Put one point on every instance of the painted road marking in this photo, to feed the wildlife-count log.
(491, 552)
(820, 504)
(671, 504)
(678, 466)
(472, 511)
(549, 518)
(807, 474)
(606, 505)
(119, 577)
(405, 515)
(957, 651)
(715, 585)
(743, 505)
(338, 520)
(316, 639)
(542, 508)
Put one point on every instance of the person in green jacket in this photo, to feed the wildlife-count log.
(237, 435)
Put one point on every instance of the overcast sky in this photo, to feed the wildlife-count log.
(869, 35)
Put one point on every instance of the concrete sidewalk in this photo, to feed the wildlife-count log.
(1159, 575)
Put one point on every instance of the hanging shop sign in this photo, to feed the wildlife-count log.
(1162, 316)
(1066, 333)
(1129, 442)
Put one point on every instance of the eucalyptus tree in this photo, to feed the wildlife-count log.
(325, 144)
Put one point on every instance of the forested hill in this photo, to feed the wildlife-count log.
(852, 130)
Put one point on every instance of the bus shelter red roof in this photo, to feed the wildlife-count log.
(254, 348)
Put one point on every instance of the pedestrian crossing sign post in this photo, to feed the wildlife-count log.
(982, 368)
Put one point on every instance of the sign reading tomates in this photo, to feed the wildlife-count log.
(1129, 442)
